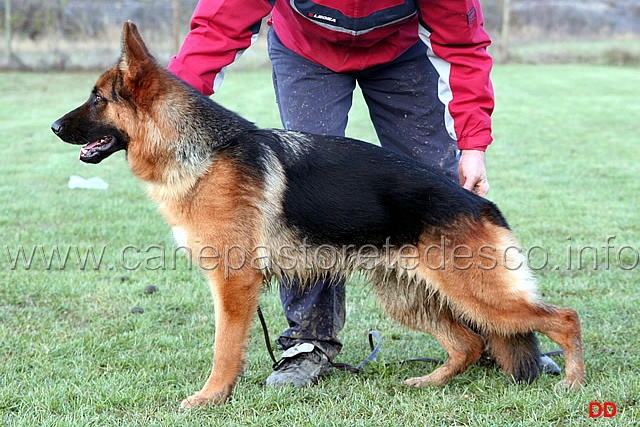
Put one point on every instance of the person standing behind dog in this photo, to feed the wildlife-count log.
(424, 72)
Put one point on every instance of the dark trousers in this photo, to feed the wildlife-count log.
(409, 118)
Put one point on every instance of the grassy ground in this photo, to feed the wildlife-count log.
(563, 168)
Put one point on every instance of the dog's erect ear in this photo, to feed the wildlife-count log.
(133, 47)
(135, 56)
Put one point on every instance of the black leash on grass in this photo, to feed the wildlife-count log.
(375, 348)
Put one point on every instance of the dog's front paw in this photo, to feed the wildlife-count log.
(199, 399)
(419, 382)
(192, 401)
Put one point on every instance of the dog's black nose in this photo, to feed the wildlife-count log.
(56, 127)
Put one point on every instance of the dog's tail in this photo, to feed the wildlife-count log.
(518, 355)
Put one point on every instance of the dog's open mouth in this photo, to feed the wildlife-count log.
(100, 149)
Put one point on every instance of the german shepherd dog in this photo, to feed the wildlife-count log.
(251, 204)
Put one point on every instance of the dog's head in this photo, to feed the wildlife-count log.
(109, 121)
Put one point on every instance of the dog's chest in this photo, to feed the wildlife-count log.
(173, 217)
(180, 236)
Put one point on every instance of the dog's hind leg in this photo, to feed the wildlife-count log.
(463, 347)
(235, 303)
(501, 299)
(514, 346)
(415, 306)
(562, 325)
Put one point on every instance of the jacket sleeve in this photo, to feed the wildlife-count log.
(220, 32)
(453, 31)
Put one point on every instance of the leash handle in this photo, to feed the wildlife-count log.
(375, 348)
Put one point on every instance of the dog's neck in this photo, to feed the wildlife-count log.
(181, 153)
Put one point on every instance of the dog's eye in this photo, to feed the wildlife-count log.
(97, 99)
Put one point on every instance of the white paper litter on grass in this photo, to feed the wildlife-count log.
(94, 183)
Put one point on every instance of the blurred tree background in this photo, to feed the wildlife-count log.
(84, 34)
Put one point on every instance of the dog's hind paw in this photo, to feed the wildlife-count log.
(568, 384)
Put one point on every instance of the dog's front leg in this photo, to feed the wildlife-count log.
(235, 303)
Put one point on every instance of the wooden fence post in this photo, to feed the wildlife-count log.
(176, 26)
(8, 31)
(504, 32)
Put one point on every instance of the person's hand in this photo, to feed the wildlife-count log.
(472, 172)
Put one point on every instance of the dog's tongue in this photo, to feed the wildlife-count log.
(84, 150)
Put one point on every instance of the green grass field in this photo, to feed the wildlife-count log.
(564, 169)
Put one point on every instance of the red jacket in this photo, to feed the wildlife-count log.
(346, 35)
